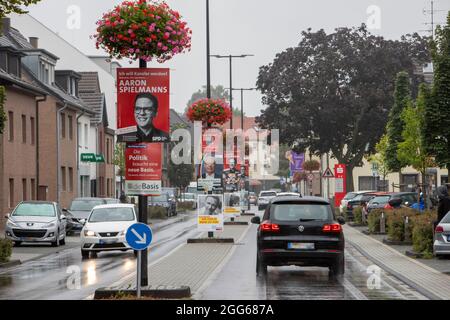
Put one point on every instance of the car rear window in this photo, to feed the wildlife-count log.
(300, 212)
(85, 205)
(410, 198)
(446, 219)
(380, 200)
(111, 215)
(268, 194)
(35, 210)
(350, 195)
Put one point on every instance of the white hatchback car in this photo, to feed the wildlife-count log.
(106, 227)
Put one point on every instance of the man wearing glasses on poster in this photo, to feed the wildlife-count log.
(145, 111)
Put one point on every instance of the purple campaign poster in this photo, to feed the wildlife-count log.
(296, 162)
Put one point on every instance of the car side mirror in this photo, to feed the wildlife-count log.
(83, 221)
(63, 217)
(341, 220)
(7, 216)
(395, 202)
(65, 209)
(256, 220)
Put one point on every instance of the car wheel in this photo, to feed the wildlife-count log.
(261, 267)
(56, 242)
(17, 243)
(338, 266)
(85, 254)
(63, 241)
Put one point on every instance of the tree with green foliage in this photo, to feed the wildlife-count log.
(395, 125)
(180, 175)
(437, 122)
(338, 88)
(380, 157)
(14, 6)
(411, 150)
(119, 161)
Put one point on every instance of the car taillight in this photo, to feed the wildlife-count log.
(439, 229)
(267, 226)
(335, 227)
(388, 206)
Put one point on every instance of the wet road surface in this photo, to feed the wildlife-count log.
(66, 276)
(238, 281)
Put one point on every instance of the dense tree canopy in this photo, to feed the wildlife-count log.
(395, 125)
(437, 121)
(333, 92)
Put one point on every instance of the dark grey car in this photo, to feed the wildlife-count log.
(79, 211)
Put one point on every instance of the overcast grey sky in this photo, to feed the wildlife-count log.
(260, 27)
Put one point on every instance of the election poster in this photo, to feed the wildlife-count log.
(232, 205)
(143, 169)
(143, 105)
(210, 212)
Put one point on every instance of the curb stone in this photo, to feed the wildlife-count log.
(11, 263)
(158, 292)
(211, 240)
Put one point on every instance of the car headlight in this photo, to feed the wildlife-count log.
(50, 225)
(11, 223)
(89, 233)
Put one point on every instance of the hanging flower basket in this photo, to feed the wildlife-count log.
(311, 165)
(299, 176)
(143, 30)
(209, 111)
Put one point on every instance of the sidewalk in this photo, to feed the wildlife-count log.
(190, 264)
(426, 280)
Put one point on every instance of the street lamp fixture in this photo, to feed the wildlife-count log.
(230, 57)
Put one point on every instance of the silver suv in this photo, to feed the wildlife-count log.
(264, 198)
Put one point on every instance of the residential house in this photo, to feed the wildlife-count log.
(99, 139)
(18, 143)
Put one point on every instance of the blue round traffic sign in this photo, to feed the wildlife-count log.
(139, 236)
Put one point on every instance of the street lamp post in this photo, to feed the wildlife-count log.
(208, 62)
(242, 103)
(230, 57)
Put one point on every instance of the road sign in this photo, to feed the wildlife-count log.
(328, 174)
(139, 236)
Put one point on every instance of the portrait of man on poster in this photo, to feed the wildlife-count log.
(145, 112)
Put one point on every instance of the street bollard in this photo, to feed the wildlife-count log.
(363, 218)
(382, 224)
(407, 233)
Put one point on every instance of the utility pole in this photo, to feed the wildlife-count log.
(230, 58)
(432, 22)
(242, 103)
(208, 62)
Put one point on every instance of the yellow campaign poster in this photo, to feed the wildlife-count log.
(232, 203)
(210, 212)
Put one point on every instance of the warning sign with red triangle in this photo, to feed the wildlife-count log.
(328, 174)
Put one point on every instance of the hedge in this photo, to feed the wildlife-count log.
(373, 220)
(422, 232)
(357, 215)
(395, 221)
(157, 213)
(185, 206)
(5, 250)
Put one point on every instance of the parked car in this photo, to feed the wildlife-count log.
(382, 201)
(189, 197)
(441, 245)
(252, 198)
(79, 210)
(36, 221)
(349, 196)
(264, 198)
(106, 227)
(300, 231)
(171, 191)
(164, 201)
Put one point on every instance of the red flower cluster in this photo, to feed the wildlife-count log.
(209, 111)
(143, 29)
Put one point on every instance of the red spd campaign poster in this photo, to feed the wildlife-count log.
(143, 105)
(143, 169)
(340, 180)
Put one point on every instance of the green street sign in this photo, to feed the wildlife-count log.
(88, 157)
(99, 158)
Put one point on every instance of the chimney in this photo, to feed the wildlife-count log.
(6, 25)
(34, 41)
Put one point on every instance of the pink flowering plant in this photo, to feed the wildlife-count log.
(143, 30)
(209, 111)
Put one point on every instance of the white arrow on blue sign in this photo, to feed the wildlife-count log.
(139, 236)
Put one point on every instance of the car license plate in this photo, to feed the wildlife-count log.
(108, 241)
(26, 239)
(301, 246)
